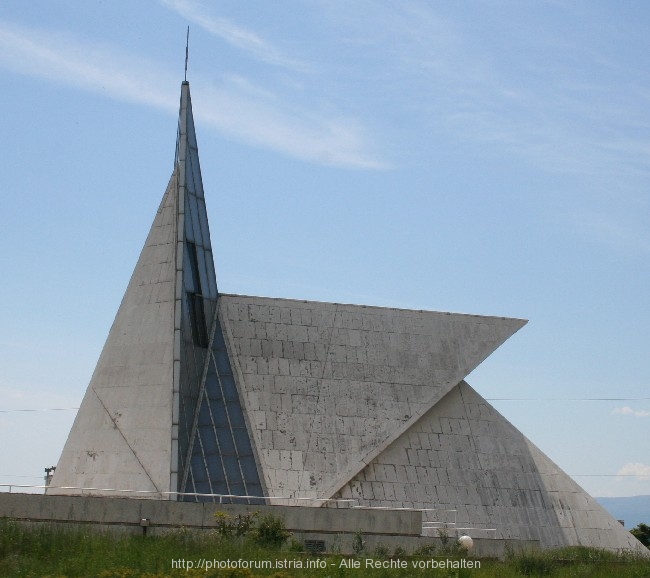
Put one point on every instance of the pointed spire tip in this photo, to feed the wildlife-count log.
(187, 52)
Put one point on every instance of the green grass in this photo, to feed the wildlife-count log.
(42, 551)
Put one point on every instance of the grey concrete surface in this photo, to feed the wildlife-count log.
(336, 528)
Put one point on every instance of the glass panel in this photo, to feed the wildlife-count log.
(209, 306)
(209, 442)
(220, 487)
(198, 234)
(204, 224)
(225, 441)
(223, 363)
(196, 169)
(242, 441)
(236, 417)
(191, 135)
(229, 389)
(216, 472)
(189, 488)
(218, 342)
(214, 394)
(197, 320)
(189, 283)
(191, 369)
(231, 464)
(211, 377)
(211, 275)
(249, 469)
(237, 489)
(192, 267)
(193, 365)
(185, 320)
(198, 468)
(203, 272)
(189, 484)
(204, 416)
(254, 489)
(219, 413)
(189, 226)
(190, 183)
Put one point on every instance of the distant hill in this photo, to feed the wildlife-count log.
(634, 510)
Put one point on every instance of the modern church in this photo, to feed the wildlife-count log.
(198, 393)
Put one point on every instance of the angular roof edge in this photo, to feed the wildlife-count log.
(363, 306)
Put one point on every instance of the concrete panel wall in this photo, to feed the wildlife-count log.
(167, 513)
(464, 456)
(121, 435)
(328, 386)
(336, 528)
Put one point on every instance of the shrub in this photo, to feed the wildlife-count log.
(239, 525)
(534, 564)
(425, 550)
(642, 534)
(270, 531)
(449, 547)
(381, 551)
(358, 543)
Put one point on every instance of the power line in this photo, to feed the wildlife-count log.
(570, 475)
(555, 399)
(643, 475)
(41, 409)
(567, 398)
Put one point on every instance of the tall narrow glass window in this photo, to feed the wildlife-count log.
(222, 441)
(195, 298)
(197, 320)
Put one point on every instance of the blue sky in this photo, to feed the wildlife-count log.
(487, 157)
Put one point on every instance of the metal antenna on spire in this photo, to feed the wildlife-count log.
(187, 51)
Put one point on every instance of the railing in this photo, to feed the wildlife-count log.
(215, 498)
(429, 527)
(434, 528)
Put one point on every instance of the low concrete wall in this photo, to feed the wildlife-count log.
(163, 514)
(336, 528)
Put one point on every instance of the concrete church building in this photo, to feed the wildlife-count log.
(197, 392)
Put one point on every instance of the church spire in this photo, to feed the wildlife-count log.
(141, 404)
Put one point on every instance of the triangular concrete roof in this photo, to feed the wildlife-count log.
(328, 386)
(121, 437)
(481, 474)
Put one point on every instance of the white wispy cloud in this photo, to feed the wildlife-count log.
(95, 67)
(535, 103)
(642, 471)
(235, 35)
(250, 114)
(301, 134)
(626, 410)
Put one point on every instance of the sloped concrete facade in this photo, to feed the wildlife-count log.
(328, 386)
(463, 455)
(121, 437)
(198, 394)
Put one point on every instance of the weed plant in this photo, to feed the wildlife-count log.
(43, 551)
